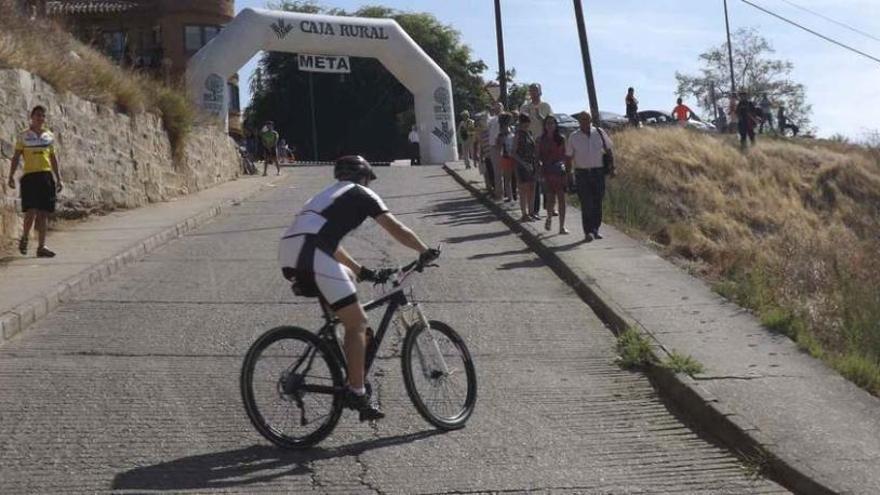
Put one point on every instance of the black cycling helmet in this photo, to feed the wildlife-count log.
(353, 168)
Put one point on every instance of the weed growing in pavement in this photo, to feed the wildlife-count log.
(681, 363)
(755, 463)
(634, 350)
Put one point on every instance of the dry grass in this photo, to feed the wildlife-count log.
(789, 229)
(45, 49)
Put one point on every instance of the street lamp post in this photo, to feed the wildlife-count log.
(729, 51)
(588, 66)
(502, 70)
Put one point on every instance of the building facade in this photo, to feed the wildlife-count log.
(157, 36)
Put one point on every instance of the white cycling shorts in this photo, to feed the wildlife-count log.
(335, 281)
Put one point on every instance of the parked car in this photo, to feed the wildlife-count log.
(612, 121)
(567, 123)
(656, 118)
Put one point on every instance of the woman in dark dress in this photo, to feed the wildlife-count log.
(551, 151)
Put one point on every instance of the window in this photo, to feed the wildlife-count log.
(234, 100)
(192, 38)
(114, 44)
(195, 37)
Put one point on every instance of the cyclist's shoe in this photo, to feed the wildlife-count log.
(367, 411)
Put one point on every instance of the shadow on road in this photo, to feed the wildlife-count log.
(246, 466)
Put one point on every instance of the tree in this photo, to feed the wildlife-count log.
(368, 111)
(755, 73)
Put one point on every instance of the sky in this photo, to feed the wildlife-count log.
(642, 43)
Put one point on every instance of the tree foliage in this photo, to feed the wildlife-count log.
(755, 72)
(366, 112)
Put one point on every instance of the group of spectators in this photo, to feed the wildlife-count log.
(524, 157)
(744, 116)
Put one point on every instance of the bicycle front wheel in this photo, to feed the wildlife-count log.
(291, 384)
(439, 375)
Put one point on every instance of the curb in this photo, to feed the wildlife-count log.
(17, 319)
(686, 396)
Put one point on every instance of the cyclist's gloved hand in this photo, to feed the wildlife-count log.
(378, 276)
(428, 256)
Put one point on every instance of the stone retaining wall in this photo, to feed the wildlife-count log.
(108, 160)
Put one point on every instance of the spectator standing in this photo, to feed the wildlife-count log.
(632, 107)
(537, 110)
(40, 181)
(783, 122)
(414, 151)
(766, 113)
(584, 150)
(722, 120)
(495, 153)
(746, 114)
(466, 136)
(269, 139)
(526, 157)
(551, 153)
(485, 152)
(682, 113)
(504, 144)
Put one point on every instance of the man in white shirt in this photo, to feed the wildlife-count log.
(495, 155)
(414, 146)
(584, 149)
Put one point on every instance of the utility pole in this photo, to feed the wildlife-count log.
(588, 66)
(729, 53)
(502, 70)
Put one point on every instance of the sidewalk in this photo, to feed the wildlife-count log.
(809, 427)
(90, 251)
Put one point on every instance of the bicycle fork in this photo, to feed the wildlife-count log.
(432, 349)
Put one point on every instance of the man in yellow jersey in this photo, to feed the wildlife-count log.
(40, 181)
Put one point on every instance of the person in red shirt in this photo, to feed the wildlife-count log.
(682, 113)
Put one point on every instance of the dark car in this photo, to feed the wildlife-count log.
(613, 121)
(567, 123)
(655, 118)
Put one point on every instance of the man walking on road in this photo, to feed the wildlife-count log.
(632, 107)
(40, 182)
(766, 114)
(584, 150)
(269, 138)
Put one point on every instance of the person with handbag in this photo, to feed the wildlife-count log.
(589, 157)
(551, 151)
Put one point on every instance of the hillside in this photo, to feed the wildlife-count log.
(789, 229)
(44, 49)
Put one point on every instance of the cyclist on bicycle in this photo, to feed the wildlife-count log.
(312, 257)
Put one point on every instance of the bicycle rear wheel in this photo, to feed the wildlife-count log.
(439, 375)
(290, 386)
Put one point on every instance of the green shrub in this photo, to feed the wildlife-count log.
(861, 370)
(681, 363)
(634, 350)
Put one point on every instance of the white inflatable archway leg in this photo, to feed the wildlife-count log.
(383, 39)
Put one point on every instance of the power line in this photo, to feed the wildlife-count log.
(842, 24)
(814, 33)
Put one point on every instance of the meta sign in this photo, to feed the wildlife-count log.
(324, 63)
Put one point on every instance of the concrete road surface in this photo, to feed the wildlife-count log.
(133, 388)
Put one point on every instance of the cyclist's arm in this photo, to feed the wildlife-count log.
(401, 233)
(343, 257)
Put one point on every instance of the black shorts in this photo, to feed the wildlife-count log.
(38, 192)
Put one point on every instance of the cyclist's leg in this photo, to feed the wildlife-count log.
(336, 283)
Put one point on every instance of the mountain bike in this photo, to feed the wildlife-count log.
(293, 381)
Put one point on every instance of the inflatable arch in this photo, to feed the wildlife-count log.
(255, 29)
